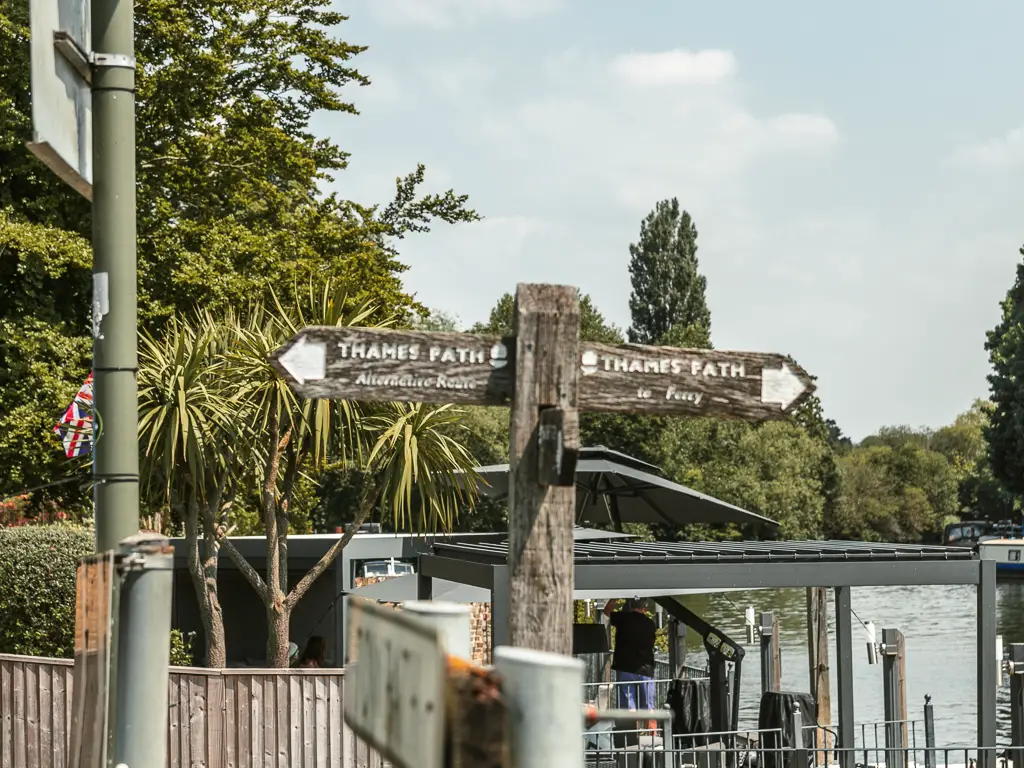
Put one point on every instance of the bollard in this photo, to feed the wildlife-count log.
(452, 622)
(799, 752)
(143, 650)
(929, 733)
(542, 691)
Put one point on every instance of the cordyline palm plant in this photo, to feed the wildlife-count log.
(412, 461)
(188, 423)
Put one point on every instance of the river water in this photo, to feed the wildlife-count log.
(939, 625)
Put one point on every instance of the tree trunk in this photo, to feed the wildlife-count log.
(278, 621)
(213, 614)
(204, 581)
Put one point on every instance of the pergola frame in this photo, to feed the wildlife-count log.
(616, 568)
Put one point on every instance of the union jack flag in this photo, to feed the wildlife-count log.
(75, 426)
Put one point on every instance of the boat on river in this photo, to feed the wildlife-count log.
(1007, 554)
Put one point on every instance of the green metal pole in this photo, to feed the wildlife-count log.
(114, 310)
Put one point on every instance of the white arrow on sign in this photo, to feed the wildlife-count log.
(305, 360)
(781, 386)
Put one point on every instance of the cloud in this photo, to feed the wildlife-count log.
(443, 14)
(632, 142)
(678, 67)
(1000, 153)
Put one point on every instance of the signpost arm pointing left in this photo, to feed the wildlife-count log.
(305, 360)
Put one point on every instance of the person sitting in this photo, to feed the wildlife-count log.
(313, 656)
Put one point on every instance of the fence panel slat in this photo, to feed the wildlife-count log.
(231, 718)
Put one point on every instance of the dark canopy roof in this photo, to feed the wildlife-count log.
(613, 487)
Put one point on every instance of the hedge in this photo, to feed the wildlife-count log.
(37, 588)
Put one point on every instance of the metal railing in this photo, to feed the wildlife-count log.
(625, 739)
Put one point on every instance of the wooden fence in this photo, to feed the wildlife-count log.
(232, 718)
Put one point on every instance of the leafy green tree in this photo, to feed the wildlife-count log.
(187, 435)
(895, 493)
(593, 326)
(772, 469)
(1005, 431)
(668, 289)
(230, 175)
(412, 465)
(963, 444)
(44, 357)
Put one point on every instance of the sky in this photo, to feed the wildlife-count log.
(854, 171)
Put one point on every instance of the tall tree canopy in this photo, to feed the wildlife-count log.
(668, 289)
(229, 197)
(1005, 431)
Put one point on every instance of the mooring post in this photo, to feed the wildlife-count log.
(894, 676)
(770, 672)
(1017, 704)
(929, 733)
(544, 447)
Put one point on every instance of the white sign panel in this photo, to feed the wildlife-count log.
(394, 685)
(61, 99)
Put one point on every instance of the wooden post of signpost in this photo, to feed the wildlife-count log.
(544, 445)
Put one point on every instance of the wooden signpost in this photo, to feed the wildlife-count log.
(546, 375)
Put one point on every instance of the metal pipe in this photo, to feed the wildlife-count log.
(844, 676)
(986, 664)
(929, 733)
(542, 691)
(452, 622)
(147, 567)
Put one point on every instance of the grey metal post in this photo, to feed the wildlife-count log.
(500, 595)
(1017, 704)
(986, 664)
(844, 675)
(424, 587)
(929, 733)
(893, 695)
(114, 311)
(767, 652)
(545, 715)
(143, 651)
(677, 648)
(799, 753)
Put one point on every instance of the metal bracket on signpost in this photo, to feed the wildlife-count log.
(112, 61)
(557, 455)
(74, 54)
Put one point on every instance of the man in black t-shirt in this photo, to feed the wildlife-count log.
(633, 660)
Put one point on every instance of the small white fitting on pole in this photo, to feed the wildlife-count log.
(869, 627)
(999, 661)
(451, 620)
(750, 624)
(542, 691)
